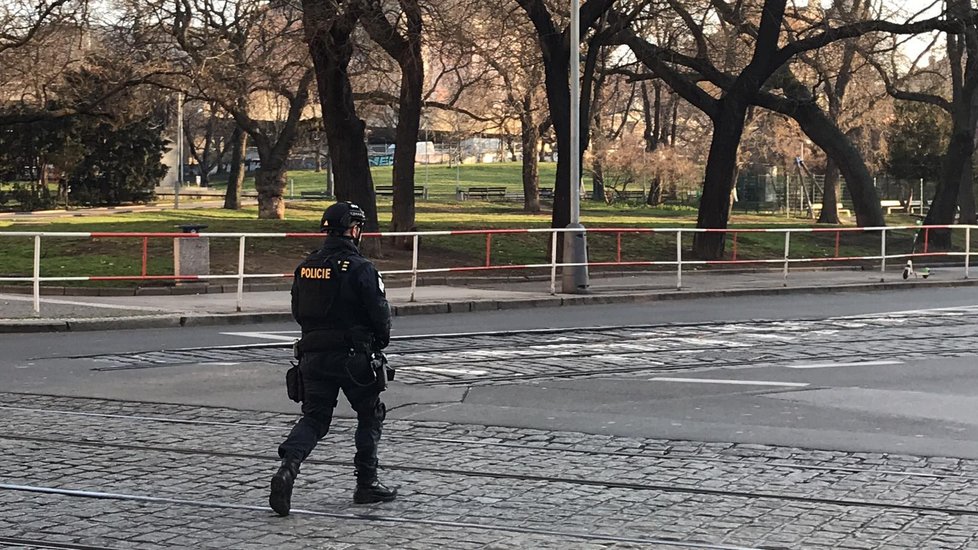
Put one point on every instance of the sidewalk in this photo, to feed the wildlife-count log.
(189, 203)
(62, 313)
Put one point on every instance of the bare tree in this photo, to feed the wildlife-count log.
(206, 130)
(329, 27)
(249, 59)
(740, 91)
(22, 21)
(955, 188)
(556, 46)
(504, 41)
(42, 43)
(399, 34)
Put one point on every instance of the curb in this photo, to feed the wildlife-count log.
(10, 326)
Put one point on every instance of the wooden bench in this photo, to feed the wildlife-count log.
(889, 205)
(314, 195)
(485, 193)
(627, 196)
(842, 211)
(388, 191)
(547, 193)
(196, 194)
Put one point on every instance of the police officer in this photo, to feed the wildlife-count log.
(338, 299)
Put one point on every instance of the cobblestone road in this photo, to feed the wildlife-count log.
(111, 474)
(89, 474)
(629, 351)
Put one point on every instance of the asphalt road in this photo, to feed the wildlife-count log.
(820, 421)
(711, 370)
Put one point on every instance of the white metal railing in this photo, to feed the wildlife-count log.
(679, 261)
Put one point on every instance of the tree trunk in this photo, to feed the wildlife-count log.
(236, 169)
(597, 180)
(406, 138)
(837, 146)
(345, 134)
(674, 122)
(557, 68)
(328, 35)
(830, 195)
(652, 115)
(530, 138)
(964, 83)
(966, 195)
(270, 183)
(654, 197)
(721, 167)
(945, 204)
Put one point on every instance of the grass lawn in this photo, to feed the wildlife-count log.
(122, 256)
(440, 178)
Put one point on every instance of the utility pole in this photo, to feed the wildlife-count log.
(574, 279)
(179, 182)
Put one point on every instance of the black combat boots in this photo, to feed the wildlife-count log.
(370, 490)
(280, 499)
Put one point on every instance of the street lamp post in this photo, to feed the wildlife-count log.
(179, 182)
(574, 279)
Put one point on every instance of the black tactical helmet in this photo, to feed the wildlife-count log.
(340, 217)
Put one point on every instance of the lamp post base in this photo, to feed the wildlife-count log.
(574, 279)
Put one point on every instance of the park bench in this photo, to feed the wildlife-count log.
(485, 193)
(314, 195)
(198, 193)
(546, 193)
(388, 191)
(840, 208)
(627, 196)
(889, 205)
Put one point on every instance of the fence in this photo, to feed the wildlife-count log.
(921, 239)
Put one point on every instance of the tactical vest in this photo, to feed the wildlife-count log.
(320, 281)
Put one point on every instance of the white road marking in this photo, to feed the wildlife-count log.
(284, 336)
(959, 310)
(728, 381)
(445, 371)
(852, 364)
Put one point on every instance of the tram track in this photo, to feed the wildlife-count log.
(460, 339)
(367, 517)
(771, 355)
(485, 350)
(25, 542)
(824, 493)
(467, 443)
(530, 478)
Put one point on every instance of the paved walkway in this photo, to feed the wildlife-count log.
(74, 312)
(187, 203)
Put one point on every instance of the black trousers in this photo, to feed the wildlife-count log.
(324, 375)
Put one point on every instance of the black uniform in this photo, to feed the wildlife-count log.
(339, 301)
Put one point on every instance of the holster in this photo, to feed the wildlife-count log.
(293, 383)
(383, 372)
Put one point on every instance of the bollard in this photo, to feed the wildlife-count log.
(191, 256)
